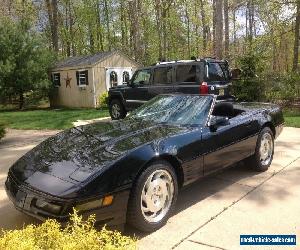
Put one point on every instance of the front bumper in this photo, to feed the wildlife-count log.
(24, 200)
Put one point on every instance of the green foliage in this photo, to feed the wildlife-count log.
(283, 88)
(48, 118)
(250, 87)
(2, 131)
(78, 234)
(24, 61)
(103, 100)
(248, 90)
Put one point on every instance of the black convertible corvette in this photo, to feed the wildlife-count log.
(131, 170)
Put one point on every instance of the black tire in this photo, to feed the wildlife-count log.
(135, 216)
(255, 161)
(117, 110)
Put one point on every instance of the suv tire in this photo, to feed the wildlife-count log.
(116, 110)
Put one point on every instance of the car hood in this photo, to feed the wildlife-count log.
(76, 154)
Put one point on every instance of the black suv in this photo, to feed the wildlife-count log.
(200, 76)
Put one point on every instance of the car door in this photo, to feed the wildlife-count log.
(228, 144)
(137, 93)
(162, 81)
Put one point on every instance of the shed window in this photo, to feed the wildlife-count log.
(82, 78)
(126, 76)
(56, 79)
(113, 79)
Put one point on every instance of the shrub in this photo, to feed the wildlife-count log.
(249, 90)
(283, 88)
(2, 131)
(249, 87)
(103, 100)
(78, 234)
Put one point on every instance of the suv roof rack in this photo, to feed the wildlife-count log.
(179, 61)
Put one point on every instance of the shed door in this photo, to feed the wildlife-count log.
(117, 76)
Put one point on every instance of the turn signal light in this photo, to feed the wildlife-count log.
(204, 88)
(107, 200)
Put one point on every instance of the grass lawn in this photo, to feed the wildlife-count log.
(292, 117)
(48, 118)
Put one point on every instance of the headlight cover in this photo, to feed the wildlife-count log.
(89, 205)
(48, 207)
(103, 202)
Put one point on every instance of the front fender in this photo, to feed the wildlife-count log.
(116, 95)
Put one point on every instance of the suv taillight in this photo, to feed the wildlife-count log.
(203, 88)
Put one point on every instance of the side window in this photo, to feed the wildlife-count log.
(125, 77)
(215, 72)
(142, 77)
(162, 75)
(56, 79)
(186, 73)
(113, 79)
(225, 69)
(82, 77)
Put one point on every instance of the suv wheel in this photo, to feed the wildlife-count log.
(116, 110)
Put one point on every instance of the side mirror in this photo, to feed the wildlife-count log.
(235, 74)
(218, 121)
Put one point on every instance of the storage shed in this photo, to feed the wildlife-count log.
(79, 81)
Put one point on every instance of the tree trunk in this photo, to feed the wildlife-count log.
(296, 41)
(226, 24)
(234, 33)
(53, 22)
(214, 27)
(135, 10)
(55, 25)
(204, 25)
(107, 24)
(218, 39)
(188, 32)
(21, 100)
(100, 45)
(159, 28)
(67, 25)
(250, 7)
(123, 20)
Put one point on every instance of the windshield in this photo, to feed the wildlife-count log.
(175, 109)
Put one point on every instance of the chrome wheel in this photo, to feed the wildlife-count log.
(266, 148)
(115, 110)
(157, 195)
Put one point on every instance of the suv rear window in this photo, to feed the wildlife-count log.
(162, 75)
(186, 73)
(218, 72)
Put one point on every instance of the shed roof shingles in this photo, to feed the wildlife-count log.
(83, 60)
